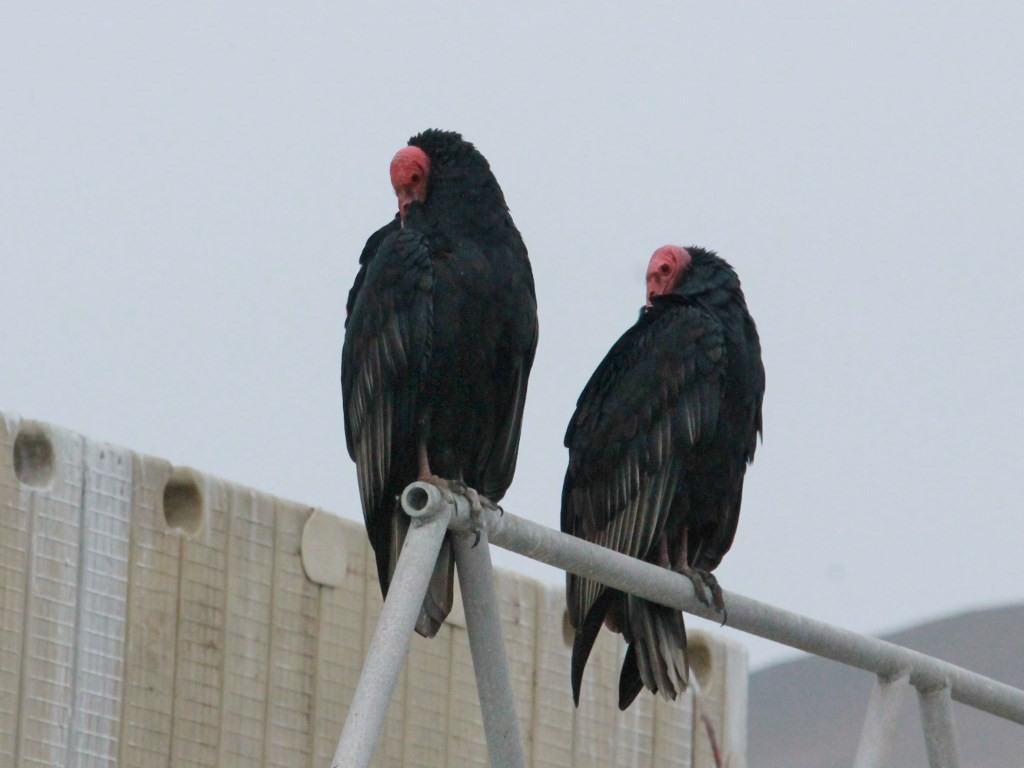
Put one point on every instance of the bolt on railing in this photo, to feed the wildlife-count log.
(897, 668)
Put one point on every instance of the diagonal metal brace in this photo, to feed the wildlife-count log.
(939, 728)
(391, 639)
(483, 622)
(487, 645)
(880, 725)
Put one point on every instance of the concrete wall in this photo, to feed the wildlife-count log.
(155, 616)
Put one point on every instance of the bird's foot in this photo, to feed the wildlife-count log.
(477, 503)
(703, 582)
(476, 513)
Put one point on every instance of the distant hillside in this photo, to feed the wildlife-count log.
(808, 713)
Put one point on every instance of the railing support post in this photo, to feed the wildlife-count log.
(487, 646)
(881, 721)
(939, 729)
(391, 639)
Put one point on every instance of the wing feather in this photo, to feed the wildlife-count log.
(373, 244)
(650, 401)
(387, 345)
(497, 457)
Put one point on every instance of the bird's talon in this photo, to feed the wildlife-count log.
(716, 591)
(702, 594)
(703, 582)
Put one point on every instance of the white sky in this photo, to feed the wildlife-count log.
(184, 193)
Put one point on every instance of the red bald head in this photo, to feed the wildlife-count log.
(410, 169)
(665, 269)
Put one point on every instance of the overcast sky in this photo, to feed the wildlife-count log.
(185, 190)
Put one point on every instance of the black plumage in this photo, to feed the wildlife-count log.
(439, 342)
(658, 447)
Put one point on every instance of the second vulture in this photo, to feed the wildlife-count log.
(658, 448)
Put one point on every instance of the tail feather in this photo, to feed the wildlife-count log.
(437, 603)
(630, 683)
(583, 643)
(657, 656)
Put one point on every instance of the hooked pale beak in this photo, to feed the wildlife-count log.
(405, 198)
(652, 291)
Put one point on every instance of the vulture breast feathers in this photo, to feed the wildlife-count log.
(439, 342)
(658, 448)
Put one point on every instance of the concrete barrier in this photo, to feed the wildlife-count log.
(154, 615)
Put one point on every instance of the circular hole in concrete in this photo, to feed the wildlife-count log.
(33, 455)
(183, 502)
(568, 633)
(699, 656)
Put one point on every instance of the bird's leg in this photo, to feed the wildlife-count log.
(663, 559)
(681, 565)
(677, 561)
(702, 580)
(426, 476)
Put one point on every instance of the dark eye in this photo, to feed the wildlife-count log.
(415, 178)
(664, 269)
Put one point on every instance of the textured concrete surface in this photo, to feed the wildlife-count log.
(154, 615)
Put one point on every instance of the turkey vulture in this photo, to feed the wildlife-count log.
(658, 447)
(439, 341)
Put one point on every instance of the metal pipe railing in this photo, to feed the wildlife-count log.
(663, 586)
(897, 668)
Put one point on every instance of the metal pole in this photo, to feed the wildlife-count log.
(939, 729)
(483, 624)
(391, 638)
(487, 645)
(792, 629)
(876, 739)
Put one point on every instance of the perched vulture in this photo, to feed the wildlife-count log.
(439, 341)
(658, 447)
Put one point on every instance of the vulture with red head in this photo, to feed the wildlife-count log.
(658, 448)
(439, 342)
